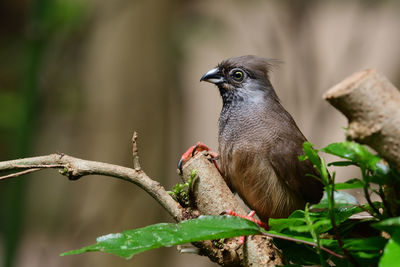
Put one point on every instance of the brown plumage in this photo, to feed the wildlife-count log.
(259, 142)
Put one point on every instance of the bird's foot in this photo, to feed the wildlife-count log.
(249, 217)
(199, 146)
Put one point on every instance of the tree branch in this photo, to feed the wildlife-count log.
(16, 174)
(371, 104)
(74, 168)
(212, 197)
(258, 251)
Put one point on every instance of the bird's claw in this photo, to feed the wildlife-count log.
(191, 151)
(196, 147)
(249, 217)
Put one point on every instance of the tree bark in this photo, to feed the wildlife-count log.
(372, 105)
(212, 196)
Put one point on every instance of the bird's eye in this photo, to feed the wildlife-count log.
(237, 75)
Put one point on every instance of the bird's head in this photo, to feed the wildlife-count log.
(242, 76)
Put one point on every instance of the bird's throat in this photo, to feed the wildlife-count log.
(230, 98)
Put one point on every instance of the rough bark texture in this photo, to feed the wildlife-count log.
(372, 105)
(212, 196)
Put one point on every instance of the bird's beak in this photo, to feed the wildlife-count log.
(213, 76)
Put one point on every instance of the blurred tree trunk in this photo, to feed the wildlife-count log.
(129, 82)
(13, 193)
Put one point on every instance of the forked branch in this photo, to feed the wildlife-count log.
(75, 168)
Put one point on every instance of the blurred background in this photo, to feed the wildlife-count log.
(79, 77)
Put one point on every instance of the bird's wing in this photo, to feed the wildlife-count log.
(293, 172)
(283, 155)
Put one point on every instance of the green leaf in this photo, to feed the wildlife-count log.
(342, 163)
(392, 251)
(354, 152)
(389, 225)
(131, 242)
(350, 184)
(311, 154)
(375, 243)
(296, 222)
(366, 251)
(300, 254)
(342, 200)
(302, 157)
(318, 226)
(318, 163)
(378, 179)
(367, 255)
(383, 175)
(280, 225)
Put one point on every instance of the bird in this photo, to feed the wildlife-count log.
(259, 142)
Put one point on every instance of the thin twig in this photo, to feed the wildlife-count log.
(327, 250)
(367, 196)
(75, 168)
(367, 211)
(16, 174)
(135, 156)
(41, 166)
(384, 201)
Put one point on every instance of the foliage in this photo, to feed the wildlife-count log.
(181, 192)
(321, 233)
(131, 242)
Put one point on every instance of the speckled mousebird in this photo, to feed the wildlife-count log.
(259, 142)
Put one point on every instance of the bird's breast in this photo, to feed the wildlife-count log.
(249, 173)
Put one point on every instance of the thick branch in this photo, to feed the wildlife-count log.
(212, 197)
(75, 168)
(211, 194)
(372, 105)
